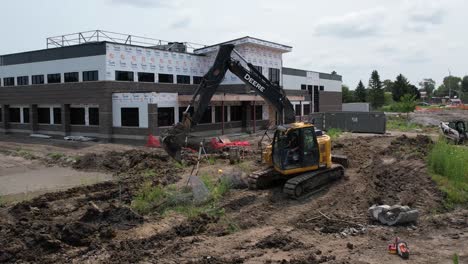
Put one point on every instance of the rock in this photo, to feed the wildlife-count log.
(349, 245)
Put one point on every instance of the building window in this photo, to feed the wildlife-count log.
(89, 76)
(197, 79)
(57, 116)
(54, 78)
(303, 87)
(258, 112)
(146, 77)
(43, 115)
(9, 81)
(1, 115)
(70, 77)
(26, 115)
(166, 78)
(236, 113)
(37, 79)
(258, 68)
(165, 116)
(22, 80)
(130, 117)
(15, 115)
(126, 76)
(206, 117)
(77, 116)
(93, 115)
(274, 75)
(219, 113)
(306, 109)
(183, 79)
(297, 109)
(321, 88)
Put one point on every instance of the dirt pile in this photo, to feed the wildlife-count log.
(279, 241)
(409, 147)
(129, 162)
(56, 226)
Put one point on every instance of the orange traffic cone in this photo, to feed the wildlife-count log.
(153, 142)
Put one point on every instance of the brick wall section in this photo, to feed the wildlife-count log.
(100, 93)
(33, 118)
(153, 119)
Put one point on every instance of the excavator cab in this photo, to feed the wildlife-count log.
(295, 148)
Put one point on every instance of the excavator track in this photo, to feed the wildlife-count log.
(300, 185)
(262, 179)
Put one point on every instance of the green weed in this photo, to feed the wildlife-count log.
(148, 173)
(25, 154)
(55, 155)
(334, 133)
(449, 167)
(455, 258)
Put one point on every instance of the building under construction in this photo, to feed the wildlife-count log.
(115, 86)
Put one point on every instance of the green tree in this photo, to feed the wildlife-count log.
(376, 92)
(360, 93)
(402, 86)
(428, 85)
(388, 98)
(387, 85)
(407, 104)
(464, 84)
(347, 95)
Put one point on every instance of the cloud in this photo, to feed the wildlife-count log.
(181, 23)
(353, 25)
(143, 3)
(422, 15)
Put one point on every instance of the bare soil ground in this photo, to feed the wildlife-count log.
(94, 224)
(433, 118)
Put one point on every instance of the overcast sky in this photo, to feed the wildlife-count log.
(419, 38)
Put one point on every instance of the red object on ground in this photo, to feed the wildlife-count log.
(153, 142)
(218, 145)
(399, 247)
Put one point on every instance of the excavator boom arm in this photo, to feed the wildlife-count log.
(175, 138)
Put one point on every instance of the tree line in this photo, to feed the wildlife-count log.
(379, 93)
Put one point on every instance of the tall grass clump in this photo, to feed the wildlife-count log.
(334, 133)
(449, 165)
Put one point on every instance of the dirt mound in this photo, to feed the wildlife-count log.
(195, 225)
(279, 241)
(128, 162)
(409, 147)
(237, 204)
(310, 259)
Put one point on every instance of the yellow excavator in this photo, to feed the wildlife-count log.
(299, 153)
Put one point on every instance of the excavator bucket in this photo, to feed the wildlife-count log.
(173, 140)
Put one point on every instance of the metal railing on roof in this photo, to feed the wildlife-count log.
(101, 35)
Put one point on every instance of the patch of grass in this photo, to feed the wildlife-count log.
(334, 133)
(455, 258)
(25, 154)
(55, 155)
(449, 166)
(148, 173)
(401, 124)
(161, 200)
(180, 165)
(211, 160)
(245, 167)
